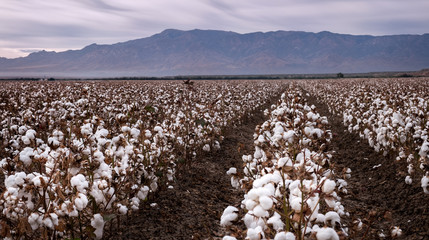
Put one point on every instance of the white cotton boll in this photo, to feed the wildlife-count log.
(250, 221)
(231, 171)
(25, 155)
(22, 130)
(25, 140)
(229, 215)
(206, 148)
(147, 134)
(408, 180)
(332, 217)
(34, 220)
(296, 204)
(98, 156)
(135, 133)
(235, 182)
(48, 223)
(320, 218)
(327, 234)
(30, 134)
(229, 238)
(158, 129)
(20, 177)
(259, 211)
(253, 194)
(81, 202)
(122, 209)
(396, 232)
(142, 194)
(266, 202)
(329, 186)
(255, 233)
(284, 236)
(79, 182)
(425, 183)
(97, 222)
(276, 221)
(258, 153)
(330, 202)
(250, 204)
(125, 129)
(285, 161)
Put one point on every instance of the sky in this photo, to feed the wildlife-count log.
(58, 25)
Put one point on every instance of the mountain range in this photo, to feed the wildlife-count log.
(212, 52)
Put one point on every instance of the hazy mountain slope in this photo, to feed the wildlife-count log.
(174, 52)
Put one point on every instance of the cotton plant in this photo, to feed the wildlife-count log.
(289, 192)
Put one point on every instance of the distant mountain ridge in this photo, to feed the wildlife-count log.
(212, 52)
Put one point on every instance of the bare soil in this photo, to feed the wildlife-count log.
(378, 196)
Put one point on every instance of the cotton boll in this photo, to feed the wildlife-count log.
(122, 209)
(229, 238)
(79, 182)
(258, 153)
(258, 211)
(250, 204)
(232, 171)
(229, 215)
(327, 234)
(408, 180)
(285, 161)
(25, 155)
(425, 183)
(147, 134)
(266, 202)
(276, 221)
(255, 233)
(48, 223)
(97, 222)
(81, 202)
(158, 129)
(296, 204)
(206, 148)
(135, 133)
(329, 186)
(35, 220)
(332, 218)
(320, 218)
(284, 236)
(396, 232)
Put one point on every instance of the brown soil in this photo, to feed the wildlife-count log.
(377, 195)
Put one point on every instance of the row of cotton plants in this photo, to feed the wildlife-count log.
(76, 155)
(291, 192)
(391, 114)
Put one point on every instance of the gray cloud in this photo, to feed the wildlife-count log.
(73, 24)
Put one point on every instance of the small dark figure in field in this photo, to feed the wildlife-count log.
(188, 82)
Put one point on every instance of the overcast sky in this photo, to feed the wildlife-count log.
(58, 25)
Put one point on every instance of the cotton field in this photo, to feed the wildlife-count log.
(78, 157)
(75, 155)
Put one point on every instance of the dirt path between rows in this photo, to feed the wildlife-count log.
(192, 209)
(378, 194)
